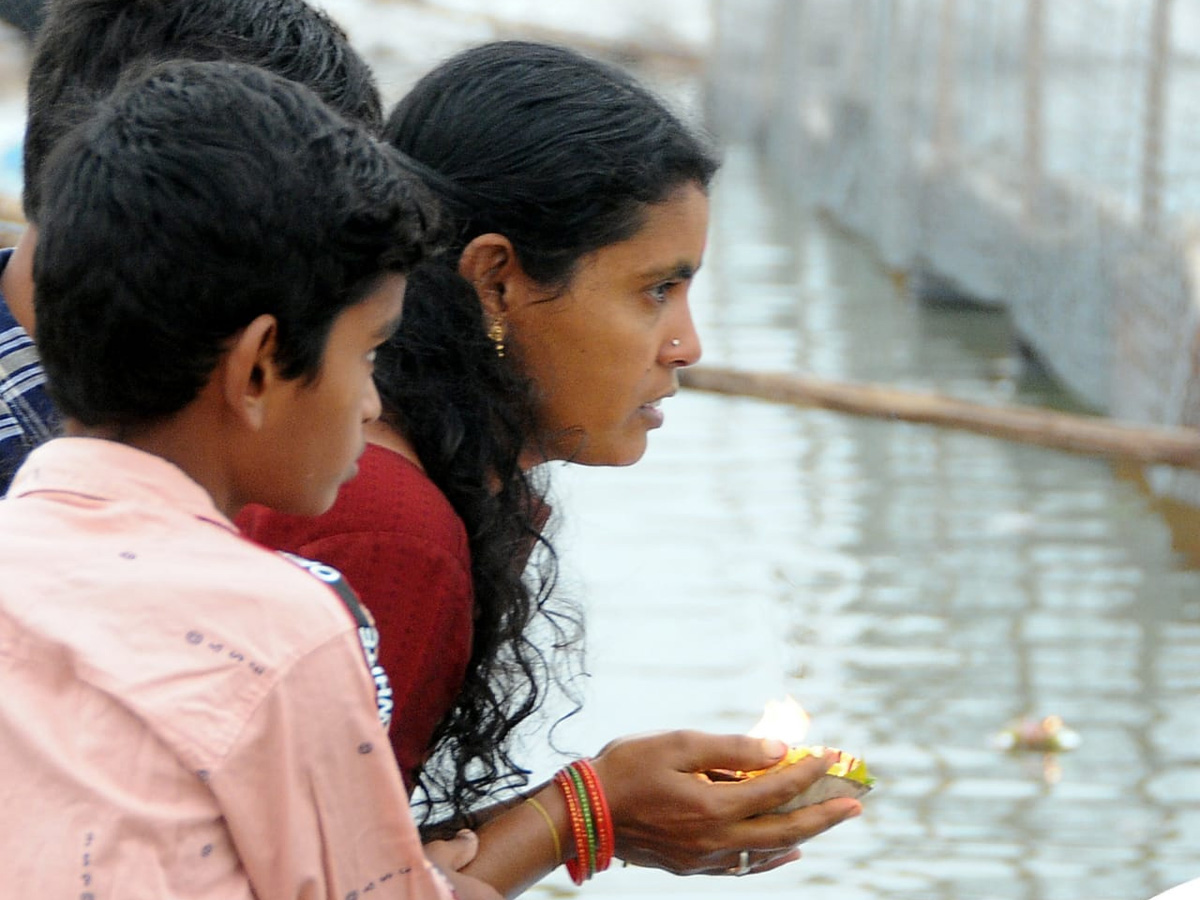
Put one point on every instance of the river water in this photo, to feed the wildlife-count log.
(914, 588)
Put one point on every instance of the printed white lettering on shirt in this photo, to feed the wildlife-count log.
(368, 634)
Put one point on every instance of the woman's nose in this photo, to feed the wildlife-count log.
(682, 344)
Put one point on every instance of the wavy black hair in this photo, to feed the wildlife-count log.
(562, 154)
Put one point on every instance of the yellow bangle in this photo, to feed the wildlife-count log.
(549, 824)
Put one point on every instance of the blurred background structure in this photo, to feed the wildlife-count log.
(1040, 156)
(23, 15)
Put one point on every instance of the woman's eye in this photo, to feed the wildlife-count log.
(660, 291)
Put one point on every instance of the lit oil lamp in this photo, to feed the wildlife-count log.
(847, 776)
(1046, 735)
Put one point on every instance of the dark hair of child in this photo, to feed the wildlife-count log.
(152, 256)
(84, 46)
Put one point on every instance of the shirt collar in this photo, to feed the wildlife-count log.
(107, 470)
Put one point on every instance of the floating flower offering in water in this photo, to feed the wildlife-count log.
(1045, 735)
(847, 776)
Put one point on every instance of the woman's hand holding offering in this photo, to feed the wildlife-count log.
(669, 813)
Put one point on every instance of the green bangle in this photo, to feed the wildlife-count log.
(588, 820)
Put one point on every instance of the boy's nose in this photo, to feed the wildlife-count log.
(372, 405)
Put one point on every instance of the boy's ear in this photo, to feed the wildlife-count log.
(490, 263)
(250, 370)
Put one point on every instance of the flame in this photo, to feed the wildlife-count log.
(783, 720)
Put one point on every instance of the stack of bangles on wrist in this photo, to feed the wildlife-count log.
(591, 821)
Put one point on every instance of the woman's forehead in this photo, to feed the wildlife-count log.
(670, 242)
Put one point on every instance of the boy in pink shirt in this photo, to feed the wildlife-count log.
(185, 715)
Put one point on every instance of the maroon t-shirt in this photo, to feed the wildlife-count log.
(403, 549)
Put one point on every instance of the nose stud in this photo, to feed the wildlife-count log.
(675, 342)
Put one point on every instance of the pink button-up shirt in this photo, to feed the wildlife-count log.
(182, 714)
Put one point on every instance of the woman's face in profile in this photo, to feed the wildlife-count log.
(603, 353)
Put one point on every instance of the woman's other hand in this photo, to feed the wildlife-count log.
(669, 814)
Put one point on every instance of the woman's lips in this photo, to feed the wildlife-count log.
(653, 412)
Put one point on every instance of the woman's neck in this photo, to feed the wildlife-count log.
(386, 436)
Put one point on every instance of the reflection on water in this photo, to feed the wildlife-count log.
(915, 588)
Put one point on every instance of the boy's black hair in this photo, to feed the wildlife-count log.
(84, 45)
(198, 197)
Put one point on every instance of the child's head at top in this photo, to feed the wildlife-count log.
(219, 255)
(85, 45)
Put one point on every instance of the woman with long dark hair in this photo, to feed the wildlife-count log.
(552, 328)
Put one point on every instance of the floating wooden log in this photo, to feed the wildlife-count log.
(1092, 435)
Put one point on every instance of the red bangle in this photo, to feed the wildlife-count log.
(602, 816)
(580, 867)
(589, 818)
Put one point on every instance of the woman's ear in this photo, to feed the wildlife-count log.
(490, 263)
(250, 371)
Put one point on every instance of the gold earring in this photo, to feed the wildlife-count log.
(496, 333)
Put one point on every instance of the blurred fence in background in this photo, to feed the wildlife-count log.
(1044, 156)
